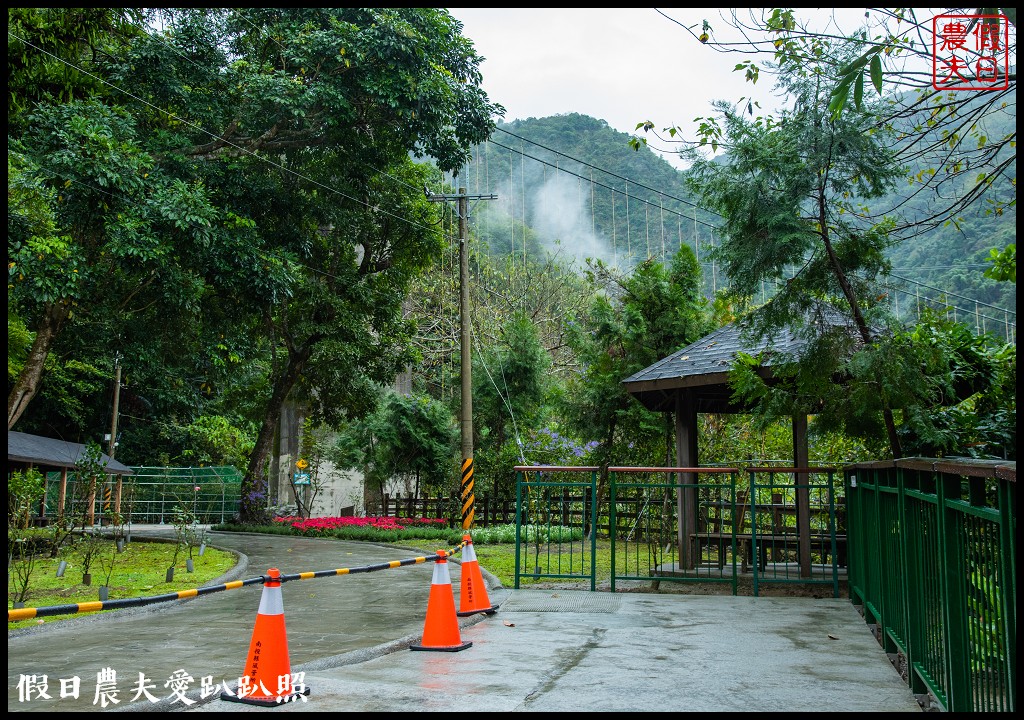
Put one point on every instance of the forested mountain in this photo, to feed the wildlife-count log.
(953, 255)
(571, 184)
(572, 179)
(295, 261)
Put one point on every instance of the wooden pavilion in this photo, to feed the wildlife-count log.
(49, 454)
(695, 380)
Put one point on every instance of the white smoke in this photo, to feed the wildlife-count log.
(561, 216)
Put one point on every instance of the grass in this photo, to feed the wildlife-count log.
(139, 571)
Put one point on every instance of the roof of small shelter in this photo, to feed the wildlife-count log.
(45, 452)
(704, 366)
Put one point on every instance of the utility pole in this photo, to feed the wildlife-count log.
(112, 445)
(466, 496)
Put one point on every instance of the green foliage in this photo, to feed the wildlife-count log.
(509, 377)
(972, 391)
(510, 388)
(75, 396)
(632, 322)
(738, 440)
(408, 436)
(215, 440)
(448, 537)
(89, 466)
(1004, 264)
(19, 340)
(48, 47)
(986, 622)
(534, 533)
(24, 490)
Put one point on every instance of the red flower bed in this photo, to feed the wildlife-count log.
(314, 525)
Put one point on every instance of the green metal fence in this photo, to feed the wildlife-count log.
(933, 566)
(646, 535)
(556, 523)
(797, 529)
(152, 494)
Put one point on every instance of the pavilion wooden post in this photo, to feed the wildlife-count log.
(62, 493)
(803, 494)
(90, 504)
(686, 457)
(42, 500)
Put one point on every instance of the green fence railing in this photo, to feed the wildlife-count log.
(933, 566)
(797, 526)
(556, 524)
(674, 524)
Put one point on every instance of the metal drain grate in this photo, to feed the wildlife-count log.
(560, 601)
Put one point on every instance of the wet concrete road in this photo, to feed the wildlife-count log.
(544, 650)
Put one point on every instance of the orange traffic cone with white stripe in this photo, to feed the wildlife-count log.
(473, 595)
(267, 677)
(441, 629)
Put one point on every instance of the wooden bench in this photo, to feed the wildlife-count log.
(766, 541)
(717, 522)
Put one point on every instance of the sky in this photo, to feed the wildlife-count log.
(621, 65)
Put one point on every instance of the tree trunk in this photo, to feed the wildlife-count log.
(27, 384)
(858, 318)
(253, 490)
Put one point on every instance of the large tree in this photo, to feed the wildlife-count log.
(796, 197)
(252, 166)
(961, 144)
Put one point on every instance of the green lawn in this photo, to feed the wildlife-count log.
(139, 571)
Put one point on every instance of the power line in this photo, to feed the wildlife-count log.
(608, 172)
(950, 292)
(599, 184)
(713, 227)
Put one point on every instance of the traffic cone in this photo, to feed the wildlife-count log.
(473, 595)
(441, 629)
(267, 676)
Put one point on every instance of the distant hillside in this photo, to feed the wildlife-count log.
(953, 257)
(571, 184)
(607, 202)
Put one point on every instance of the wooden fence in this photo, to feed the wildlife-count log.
(489, 511)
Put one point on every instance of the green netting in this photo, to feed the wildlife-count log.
(152, 493)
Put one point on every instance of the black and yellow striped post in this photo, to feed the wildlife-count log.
(466, 494)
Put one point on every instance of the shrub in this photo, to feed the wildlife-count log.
(395, 530)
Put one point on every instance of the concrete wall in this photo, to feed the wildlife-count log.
(339, 488)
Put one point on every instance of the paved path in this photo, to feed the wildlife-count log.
(544, 650)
